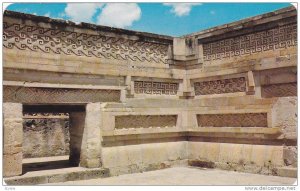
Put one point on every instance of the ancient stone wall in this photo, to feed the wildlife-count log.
(218, 97)
(45, 135)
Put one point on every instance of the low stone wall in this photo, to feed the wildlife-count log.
(45, 137)
(144, 157)
(261, 159)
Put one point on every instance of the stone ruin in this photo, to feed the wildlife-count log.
(130, 101)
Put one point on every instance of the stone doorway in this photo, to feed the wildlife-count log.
(84, 132)
(52, 136)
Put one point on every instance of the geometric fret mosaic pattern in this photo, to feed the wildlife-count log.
(233, 120)
(58, 95)
(57, 41)
(279, 90)
(276, 38)
(158, 88)
(220, 86)
(145, 121)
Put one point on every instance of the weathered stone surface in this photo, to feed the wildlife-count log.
(288, 172)
(13, 133)
(45, 137)
(290, 155)
(90, 155)
(144, 156)
(12, 110)
(242, 73)
(13, 139)
(54, 176)
(284, 114)
(247, 158)
(12, 165)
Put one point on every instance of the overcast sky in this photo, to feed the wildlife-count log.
(173, 19)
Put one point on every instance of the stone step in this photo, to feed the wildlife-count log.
(57, 175)
(288, 172)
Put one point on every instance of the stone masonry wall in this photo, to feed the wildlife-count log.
(223, 97)
(45, 137)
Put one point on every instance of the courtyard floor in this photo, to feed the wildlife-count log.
(187, 176)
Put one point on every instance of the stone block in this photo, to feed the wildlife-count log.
(93, 163)
(109, 157)
(153, 153)
(258, 155)
(290, 156)
(277, 156)
(12, 164)
(10, 149)
(225, 153)
(179, 47)
(13, 131)
(284, 114)
(213, 151)
(288, 172)
(246, 154)
(197, 150)
(12, 110)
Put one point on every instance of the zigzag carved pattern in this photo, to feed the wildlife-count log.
(145, 121)
(58, 95)
(279, 90)
(276, 38)
(158, 88)
(25, 37)
(220, 86)
(233, 120)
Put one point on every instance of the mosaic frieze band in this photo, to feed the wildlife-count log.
(45, 115)
(145, 121)
(58, 95)
(220, 86)
(279, 90)
(158, 88)
(276, 38)
(233, 120)
(48, 40)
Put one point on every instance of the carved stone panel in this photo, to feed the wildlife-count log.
(58, 95)
(158, 88)
(276, 38)
(58, 41)
(145, 121)
(220, 86)
(279, 90)
(233, 120)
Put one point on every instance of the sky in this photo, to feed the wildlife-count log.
(174, 19)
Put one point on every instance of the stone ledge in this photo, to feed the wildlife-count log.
(287, 172)
(71, 86)
(141, 131)
(57, 175)
(254, 130)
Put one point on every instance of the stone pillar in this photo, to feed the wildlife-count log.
(13, 138)
(85, 137)
(91, 142)
(284, 116)
(250, 84)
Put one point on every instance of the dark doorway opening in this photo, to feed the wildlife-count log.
(52, 136)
